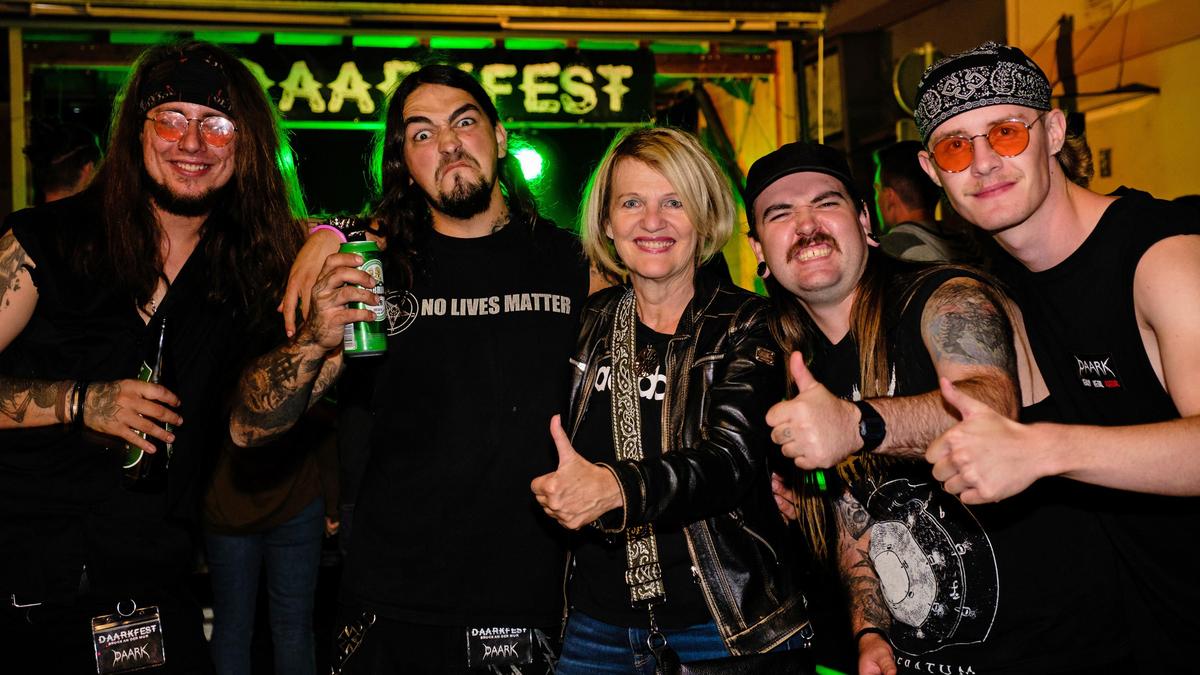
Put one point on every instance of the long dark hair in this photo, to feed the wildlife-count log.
(255, 230)
(794, 329)
(401, 208)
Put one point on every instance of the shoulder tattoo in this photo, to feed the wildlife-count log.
(965, 324)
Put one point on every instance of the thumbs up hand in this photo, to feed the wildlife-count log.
(815, 429)
(986, 457)
(578, 492)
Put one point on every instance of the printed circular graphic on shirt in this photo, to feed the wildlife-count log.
(935, 564)
(400, 309)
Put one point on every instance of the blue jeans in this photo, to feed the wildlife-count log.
(592, 646)
(292, 553)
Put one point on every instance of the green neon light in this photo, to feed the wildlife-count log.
(308, 39)
(738, 48)
(139, 37)
(58, 36)
(608, 45)
(535, 124)
(530, 161)
(390, 41)
(534, 44)
(678, 48)
(822, 670)
(461, 43)
(820, 477)
(228, 37)
(351, 125)
(332, 125)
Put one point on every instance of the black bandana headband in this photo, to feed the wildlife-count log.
(193, 76)
(990, 74)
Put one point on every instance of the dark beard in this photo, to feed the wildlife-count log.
(465, 200)
(180, 205)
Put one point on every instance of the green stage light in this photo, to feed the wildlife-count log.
(531, 162)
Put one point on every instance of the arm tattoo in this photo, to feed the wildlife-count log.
(866, 594)
(852, 519)
(17, 394)
(867, 604)
(966, 326)
(275, 391)
(12, 261)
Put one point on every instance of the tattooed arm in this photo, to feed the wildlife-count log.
(18, 295)
(23, 402)
(868, 609)
(119, 409)
(279, 386)
(970, 342)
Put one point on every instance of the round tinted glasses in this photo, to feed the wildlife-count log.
(215, 130)
(1008, 139)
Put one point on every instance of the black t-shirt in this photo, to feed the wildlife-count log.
(60, 491)
(1084, 333)
(446, 529)
(1014, 587)
(598, 586)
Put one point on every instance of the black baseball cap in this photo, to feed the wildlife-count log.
(796, 158)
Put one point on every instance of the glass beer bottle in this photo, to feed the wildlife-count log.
(143, 470)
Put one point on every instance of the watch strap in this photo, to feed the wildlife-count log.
(871, 428)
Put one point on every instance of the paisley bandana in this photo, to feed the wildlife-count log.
(990, 74)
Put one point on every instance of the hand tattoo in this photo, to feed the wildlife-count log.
(101, 402)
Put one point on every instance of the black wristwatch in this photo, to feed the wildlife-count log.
(871, 427)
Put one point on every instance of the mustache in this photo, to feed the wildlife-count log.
(810, 240)
(459, 156)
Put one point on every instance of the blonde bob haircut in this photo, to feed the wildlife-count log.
(690, 170)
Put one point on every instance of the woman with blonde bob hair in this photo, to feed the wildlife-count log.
(663, 469)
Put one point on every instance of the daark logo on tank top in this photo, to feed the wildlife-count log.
(401, 308)
(1096, 371)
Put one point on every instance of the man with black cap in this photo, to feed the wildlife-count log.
(934, 586)
(1109, 286)
(192, 221)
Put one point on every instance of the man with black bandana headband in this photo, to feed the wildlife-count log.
(1109, 287)
(191, 221)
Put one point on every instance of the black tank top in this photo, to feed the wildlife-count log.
(995, 588)
(1083, 330)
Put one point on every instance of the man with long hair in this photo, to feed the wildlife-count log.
(933, 586)
(1109, 287)
(187, 229)
(450, 564)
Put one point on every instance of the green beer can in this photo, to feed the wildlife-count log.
(366, 338)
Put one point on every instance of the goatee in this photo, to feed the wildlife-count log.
(183, 205)
(465, 200)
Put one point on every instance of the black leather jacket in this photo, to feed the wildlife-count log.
(723, 372)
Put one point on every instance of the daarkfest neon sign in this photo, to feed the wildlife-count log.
(339, 84)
